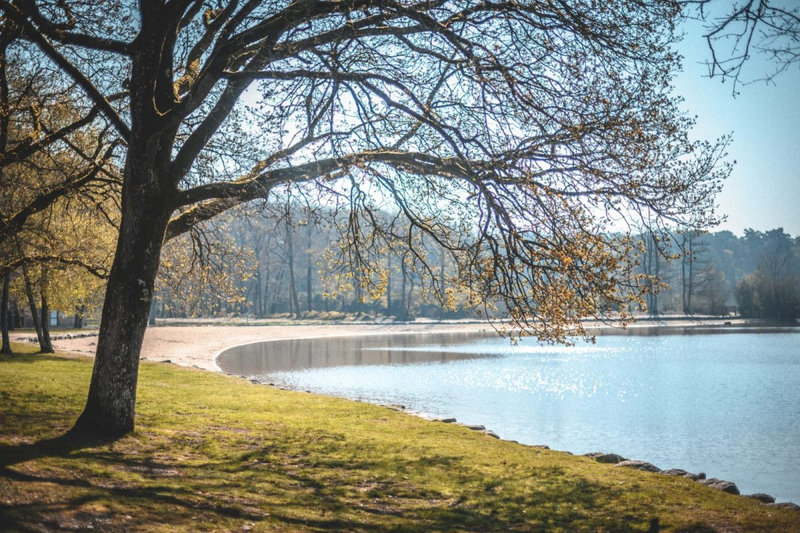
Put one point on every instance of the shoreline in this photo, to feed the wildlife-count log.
(612, 458)
(197, 343)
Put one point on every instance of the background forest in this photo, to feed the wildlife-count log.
(290, 262)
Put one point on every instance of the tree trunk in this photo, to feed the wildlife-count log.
(403, 296)
(46, 344)
(259, 294)
(4, 315)
(147, 203)
(110, 406)
(684, 302)
(294, 303)
(389, 284)
(151, 316)
(79, 317)
(34, 312)
(690, 288)
(308, 268)
(16, 315)
(656, 254)
(443, 301)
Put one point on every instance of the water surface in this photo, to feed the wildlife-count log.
(727, 405)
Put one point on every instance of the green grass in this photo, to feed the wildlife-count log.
(217, 453)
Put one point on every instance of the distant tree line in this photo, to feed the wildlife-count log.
(287, 261)
(756, 275)
(288, 264)
(294, 262)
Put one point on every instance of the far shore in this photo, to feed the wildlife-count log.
(196, 343)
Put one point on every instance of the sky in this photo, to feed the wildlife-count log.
(763, 191)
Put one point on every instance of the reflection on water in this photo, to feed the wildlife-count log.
(727, 405)
(286, 355)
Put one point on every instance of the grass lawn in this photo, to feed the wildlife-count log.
(212, 452)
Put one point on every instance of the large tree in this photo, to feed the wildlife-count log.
(509, 133)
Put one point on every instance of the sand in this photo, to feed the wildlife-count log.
(197, 345)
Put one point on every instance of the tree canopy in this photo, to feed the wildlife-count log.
(523, 138)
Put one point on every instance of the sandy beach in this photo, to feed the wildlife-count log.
(197, 345)
(194, 345)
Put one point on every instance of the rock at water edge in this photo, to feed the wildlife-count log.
(679, 472)
(609, 458)
(721, 484)
(763, 498)
(639, 465)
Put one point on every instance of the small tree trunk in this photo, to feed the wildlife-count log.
(45, 344)
(443, 301)
(656, 254)
(389, 284)
(684, 302)
(79, 317)
(308, 285)
(4, 315)
(34, 312)
(308, 267)
(294, 302)
(16, 315)
(403, 295)
(151, 317)
(690, 288)
(259, 295)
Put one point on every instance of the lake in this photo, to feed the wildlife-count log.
(727, 405)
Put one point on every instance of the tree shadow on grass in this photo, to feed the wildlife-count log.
(311, 492)
(60, 446)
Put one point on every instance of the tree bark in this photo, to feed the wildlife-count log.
(685, 304)
(80, 311)
(16, 315)
(389, 284)
(147, 202)
(404, 314)
(46, 343)
(4, 318)
(110, 407)
(34, 312)
(293, 300)
(309, 298)
(690, 287)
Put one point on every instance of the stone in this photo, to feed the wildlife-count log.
(639, 465)
(608, 458)
(721, 484)
(785, 505)
(678, 472)
(763, 498)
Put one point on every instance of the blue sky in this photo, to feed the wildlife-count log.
(763, 192)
